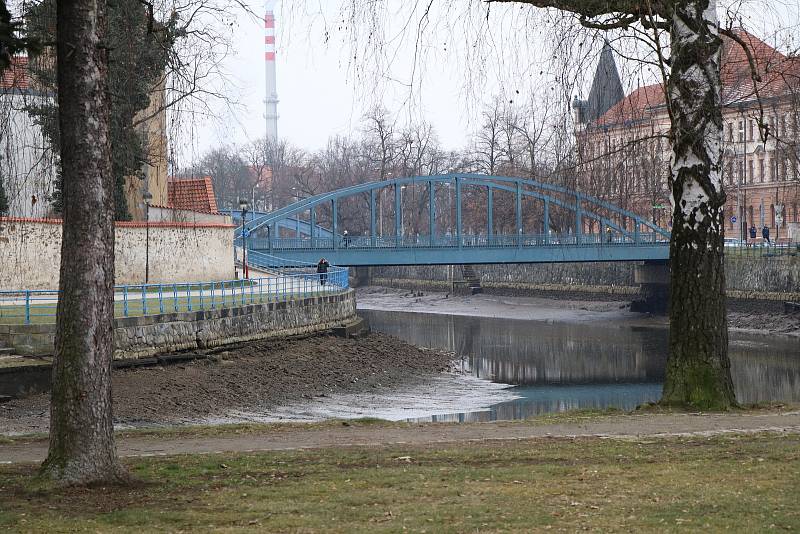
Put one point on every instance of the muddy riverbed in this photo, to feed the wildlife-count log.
(748, 316)
(256, 376)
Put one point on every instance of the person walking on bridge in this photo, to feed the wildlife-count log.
(322, 270)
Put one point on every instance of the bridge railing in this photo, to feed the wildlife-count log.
(454, 241)
(39, 306)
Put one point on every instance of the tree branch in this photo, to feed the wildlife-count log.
(597, 8)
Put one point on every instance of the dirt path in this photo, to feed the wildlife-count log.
(297, 437)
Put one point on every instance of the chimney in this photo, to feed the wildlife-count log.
(271, 81)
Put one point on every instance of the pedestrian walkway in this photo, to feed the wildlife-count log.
(337, 434)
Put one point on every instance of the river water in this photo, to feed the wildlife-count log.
(556, 366)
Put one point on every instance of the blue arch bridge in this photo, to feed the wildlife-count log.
(421, 220)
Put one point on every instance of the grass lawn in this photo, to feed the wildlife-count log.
(742, 483)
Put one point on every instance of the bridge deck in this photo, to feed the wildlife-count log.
(362, 251)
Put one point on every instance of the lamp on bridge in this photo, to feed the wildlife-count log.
(243, 206)
(148, 197)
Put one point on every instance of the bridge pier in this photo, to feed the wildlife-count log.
(653, 279)
(361, 276)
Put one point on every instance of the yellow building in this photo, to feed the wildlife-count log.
(153, 127)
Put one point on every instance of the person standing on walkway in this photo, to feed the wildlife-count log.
(322, 270)
(765, 234)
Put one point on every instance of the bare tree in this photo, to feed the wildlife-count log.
(379, 143)
(229, 173)
(489, 138)
(271, 162)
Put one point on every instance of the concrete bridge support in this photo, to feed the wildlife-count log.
(653, 279)
(361, 276)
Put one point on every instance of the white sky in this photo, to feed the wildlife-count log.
(320, 96)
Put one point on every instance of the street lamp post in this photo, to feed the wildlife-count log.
(148, 197)
(243, 207)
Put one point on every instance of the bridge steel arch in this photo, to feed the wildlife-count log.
(292, 224)
(639, 239)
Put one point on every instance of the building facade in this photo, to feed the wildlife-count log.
(624, 147)
(27, 162)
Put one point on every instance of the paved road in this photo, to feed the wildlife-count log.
(294, 437)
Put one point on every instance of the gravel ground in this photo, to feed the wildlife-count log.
(250, 375)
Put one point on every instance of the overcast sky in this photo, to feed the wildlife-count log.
(321, 96)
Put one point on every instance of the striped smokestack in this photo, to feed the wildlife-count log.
(269, 58)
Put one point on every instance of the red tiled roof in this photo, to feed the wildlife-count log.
(634, 106)
(779, 75)
(196, 194)
(16, 75)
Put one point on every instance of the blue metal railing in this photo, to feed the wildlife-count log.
(454, 241)
(297, 282)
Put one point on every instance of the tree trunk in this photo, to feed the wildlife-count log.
(698, 368)
(82, 449)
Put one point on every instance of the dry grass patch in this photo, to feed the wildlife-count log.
(742, 483)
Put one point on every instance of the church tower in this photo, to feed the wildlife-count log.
(605, 93)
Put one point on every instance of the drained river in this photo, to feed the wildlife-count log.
(556, 367)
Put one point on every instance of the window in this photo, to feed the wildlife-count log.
(772, 213)
(761, 171)
(741, 131)
(773, 168)
(730, 132)
(740, 170)
(752, 130)
(751, 165)
(783, 125)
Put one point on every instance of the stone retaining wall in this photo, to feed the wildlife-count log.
(772, 278)
(141, 337)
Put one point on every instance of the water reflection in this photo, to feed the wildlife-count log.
(567, 366)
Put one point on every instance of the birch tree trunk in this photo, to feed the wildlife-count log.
(82, 449)
(698, 368)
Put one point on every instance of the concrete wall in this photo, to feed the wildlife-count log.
(768, 277)
(550, 273)
(141, 337)
(165, 214)
(30, 252)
